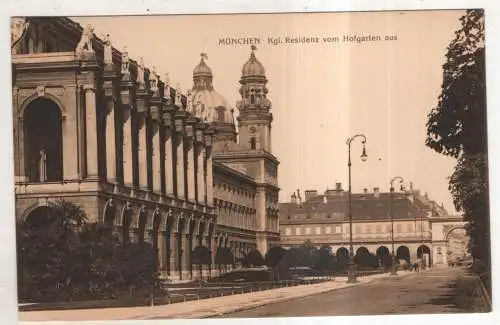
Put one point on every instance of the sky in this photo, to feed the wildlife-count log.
(322, 93)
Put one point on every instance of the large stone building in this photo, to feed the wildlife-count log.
(422, 228)
(96, 128)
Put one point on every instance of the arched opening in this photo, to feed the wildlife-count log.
(384, 256)
(154, 239)
(126, 221)
(342, 255)
(424, 253)
(38, 218)
(403, 253)
(109, 214)
(457, 243)
(180, 231)
(43, 148)
(141, 226)
(169, 222)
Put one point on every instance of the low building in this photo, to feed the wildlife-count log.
(421, 227)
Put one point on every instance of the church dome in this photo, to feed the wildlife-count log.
(253, 67)
(204, 101)
(202, 69)
(210, 106)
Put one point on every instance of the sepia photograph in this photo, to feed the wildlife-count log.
(250, 165)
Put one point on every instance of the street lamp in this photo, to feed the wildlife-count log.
(351, 278)
(391, 213)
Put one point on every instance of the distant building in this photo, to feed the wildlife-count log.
(421, 227)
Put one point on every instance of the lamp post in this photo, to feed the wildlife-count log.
(351, 278)
(391, 213)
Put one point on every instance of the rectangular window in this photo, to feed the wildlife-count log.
(308, 231)
(288, 231)
(328, 230)
(318, 230)
(297, 231)
(338, 229)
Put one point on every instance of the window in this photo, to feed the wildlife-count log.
(328, 230)
(220, 116)
(318, 230)
(253, 143)
(308, 231)
(288, 231)
(338, 229)
(297, 231)
(252, 99)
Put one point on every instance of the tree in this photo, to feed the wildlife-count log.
(457, 128)
(61, 257)
(48, 265)
(325, 260)
(274, 255)
(253, 258)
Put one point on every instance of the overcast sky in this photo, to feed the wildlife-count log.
(322, 93)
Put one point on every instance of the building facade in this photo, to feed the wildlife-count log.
(421, 227)
(96, 128)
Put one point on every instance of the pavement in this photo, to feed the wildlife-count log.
(205, 308)
(429, 292)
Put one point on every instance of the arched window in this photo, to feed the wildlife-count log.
(252, 99)
(43, 149)
(253, 143)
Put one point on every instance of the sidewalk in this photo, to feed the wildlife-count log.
(198, 309)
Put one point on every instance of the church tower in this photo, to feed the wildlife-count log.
(255, 118)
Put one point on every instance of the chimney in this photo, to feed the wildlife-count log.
(338, 187)
(376, 192)
(309, 194)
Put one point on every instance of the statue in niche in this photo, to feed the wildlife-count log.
(42, 165)
(140, 73)
(85, 44)
(125, 62)
(108, 51)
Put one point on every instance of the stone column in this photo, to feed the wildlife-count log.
(142, 152)
(180, 170)
(109, 93)
(128, 165)
(169, 168)
(200, 174)
(161, 246)
(174, 255)
(156, 157)
(110, 142)
(91, 133)
(209, 177)
(186, 252)
(190, 170)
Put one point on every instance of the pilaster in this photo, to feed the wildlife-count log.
(90, 133)
(156, 125)
(142, 148)
(168, 143)
(110, 78)
(179, 144)
(190, 148)
(127, 95)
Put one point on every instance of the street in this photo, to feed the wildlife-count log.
(432, 291)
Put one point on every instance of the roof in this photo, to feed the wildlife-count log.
(364, 207)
